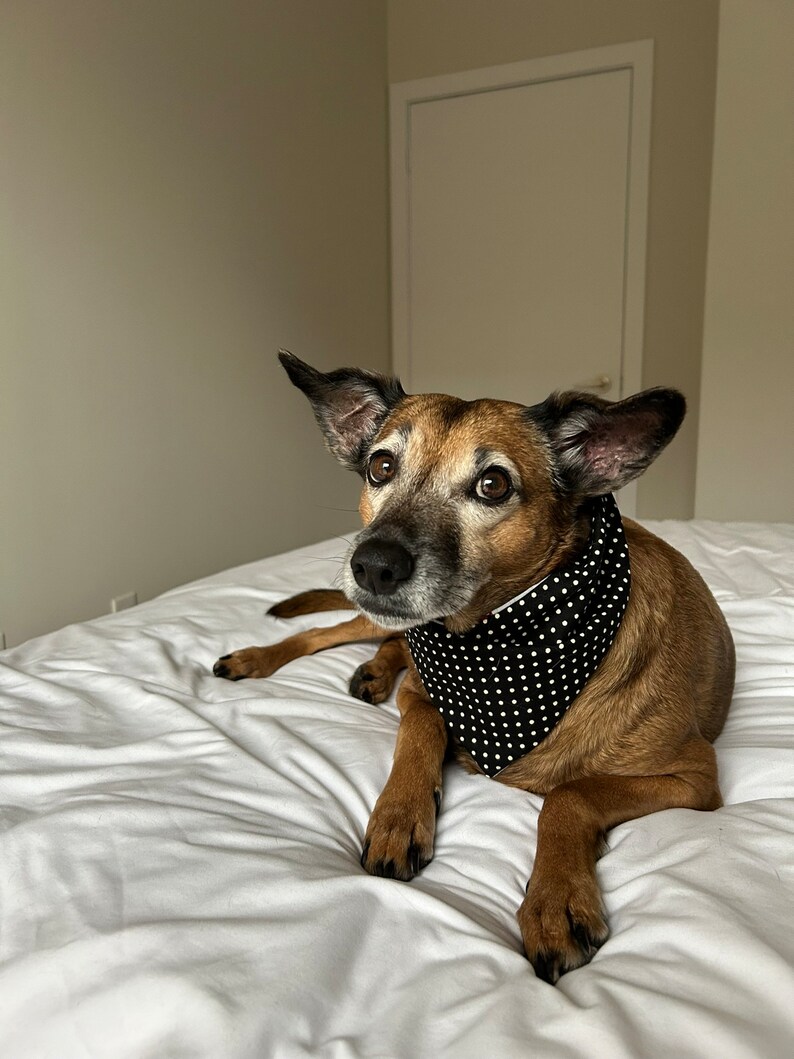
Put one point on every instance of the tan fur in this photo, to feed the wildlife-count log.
(264, 661)
(311, 602)
(636, 740)
(374, 680)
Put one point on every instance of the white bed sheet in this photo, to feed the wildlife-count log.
(179, 856)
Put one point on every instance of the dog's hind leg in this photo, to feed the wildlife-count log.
(311, 602)
(264, 661)
(561, 919)
(373, 681)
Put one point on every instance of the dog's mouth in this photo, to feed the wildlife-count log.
(396, 611)
(388, 617)
(399, 587)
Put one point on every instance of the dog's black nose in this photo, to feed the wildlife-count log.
(381, 566)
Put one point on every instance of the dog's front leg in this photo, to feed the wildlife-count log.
(561, 918)
(399, 838)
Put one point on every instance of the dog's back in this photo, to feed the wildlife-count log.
(693, 635)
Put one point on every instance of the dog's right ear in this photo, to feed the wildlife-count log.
(350, 405)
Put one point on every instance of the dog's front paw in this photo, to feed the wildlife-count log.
(400, 833)
(562, 926)
(249, 662)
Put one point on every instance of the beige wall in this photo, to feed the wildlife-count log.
(185, 186)
(746, 451)
(430, 37)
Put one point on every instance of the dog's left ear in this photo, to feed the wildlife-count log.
(599, 446)
(350, 405)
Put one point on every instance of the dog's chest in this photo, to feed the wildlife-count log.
(503, 685)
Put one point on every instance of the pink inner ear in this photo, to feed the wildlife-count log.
(356, 417)
(603, 461)
(357, 408)
(619, 441)
(605, 448)
(607, 456)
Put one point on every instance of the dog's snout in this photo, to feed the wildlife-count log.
(381, 566)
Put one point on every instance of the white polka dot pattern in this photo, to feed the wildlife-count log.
(503, 685)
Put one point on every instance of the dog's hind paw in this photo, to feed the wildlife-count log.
(249, 662)
(226, 672)
(372, 682)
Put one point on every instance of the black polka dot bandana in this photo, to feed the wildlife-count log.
(503, 685)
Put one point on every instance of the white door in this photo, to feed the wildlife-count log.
(518, 226)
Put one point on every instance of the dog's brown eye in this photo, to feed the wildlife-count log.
(494, 485)
(382, 468)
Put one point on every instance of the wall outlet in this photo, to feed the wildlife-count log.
(129, 599)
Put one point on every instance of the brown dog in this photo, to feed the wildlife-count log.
(466, 506)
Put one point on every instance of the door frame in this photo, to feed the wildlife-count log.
(634, 56)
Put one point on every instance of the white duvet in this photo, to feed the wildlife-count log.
(179, 855)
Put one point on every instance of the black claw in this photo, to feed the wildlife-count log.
(413, 858)
(224, 657)
(588, 944)
(547, 968)
(219, 670)
(364, 854)
(581, 937)
(437, 799)
(358, 688)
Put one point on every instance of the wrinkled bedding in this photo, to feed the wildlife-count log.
(179, 855)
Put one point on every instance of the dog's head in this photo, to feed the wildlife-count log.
(465, 503)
